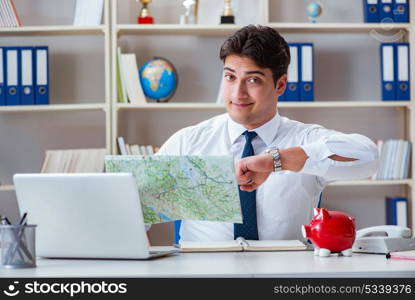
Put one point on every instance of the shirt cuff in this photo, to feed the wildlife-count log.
(318, 168)
(317, 162)
(317, 151)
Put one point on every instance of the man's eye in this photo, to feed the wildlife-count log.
(253, 80)
(229, 77)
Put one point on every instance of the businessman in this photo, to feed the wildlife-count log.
(299, 159)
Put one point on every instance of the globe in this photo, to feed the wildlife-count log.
(159, 79)
(314, 10)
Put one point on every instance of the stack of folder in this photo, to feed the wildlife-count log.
(24, 75)
(395, 71)
(383, 11)
(300, 84)
(8, 14)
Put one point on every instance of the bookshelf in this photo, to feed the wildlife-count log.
(333, 108)
(79, 113)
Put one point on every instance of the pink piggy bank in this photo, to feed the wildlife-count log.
(331, 232)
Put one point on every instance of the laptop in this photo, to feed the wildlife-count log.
(85, 215)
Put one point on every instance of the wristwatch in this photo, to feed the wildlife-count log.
(275, 158)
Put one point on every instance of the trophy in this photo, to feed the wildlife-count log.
(190, 16)
(145, 17)
(227, 17)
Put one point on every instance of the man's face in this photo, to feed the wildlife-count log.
(249, 91)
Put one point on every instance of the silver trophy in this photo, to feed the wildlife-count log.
(190, 16)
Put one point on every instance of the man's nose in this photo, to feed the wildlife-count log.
(240, 91)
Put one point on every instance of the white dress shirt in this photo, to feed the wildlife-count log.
(285, 201)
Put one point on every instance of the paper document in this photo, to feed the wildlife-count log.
(183, 187)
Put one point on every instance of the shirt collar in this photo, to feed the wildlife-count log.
(266, 132)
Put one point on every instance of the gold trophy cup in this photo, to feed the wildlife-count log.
(145, 16)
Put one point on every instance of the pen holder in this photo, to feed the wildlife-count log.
(18, 246)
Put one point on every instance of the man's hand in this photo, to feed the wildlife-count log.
(252, 171)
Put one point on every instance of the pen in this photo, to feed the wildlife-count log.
(19, 242)
(23, 219)
(5, 221)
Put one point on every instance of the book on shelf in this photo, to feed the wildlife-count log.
(404, 255)
(131, 79)
(240, 244)
(8, 14)
(88, 12)
(74, 161)
(394, 159)
(128, 149)
(121, 145)
(121, 92)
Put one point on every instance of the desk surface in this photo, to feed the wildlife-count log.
(225, 264)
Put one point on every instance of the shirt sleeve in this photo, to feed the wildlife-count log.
(320, 143)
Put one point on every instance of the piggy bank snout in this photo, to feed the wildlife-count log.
(306, 230)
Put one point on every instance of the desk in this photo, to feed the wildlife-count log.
(224, 264)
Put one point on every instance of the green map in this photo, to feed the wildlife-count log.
(183, 187)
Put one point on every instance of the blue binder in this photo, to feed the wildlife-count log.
(282, 97)
(27, 86)
(42, 75)
(371, 11)
(387, 54)
(12, 64)
(2, 78)
(402, 61)
(396, 211)
(386, 11)
(306, 72)
(292, 92)
(401, 11)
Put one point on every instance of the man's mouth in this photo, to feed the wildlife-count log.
(241, 105)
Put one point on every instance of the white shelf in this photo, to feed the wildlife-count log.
(52, 107)
(372, 182)
(6, 188)
(176, 29)
(169, 106)
(54, 30)
(314, 104)
(339, 27)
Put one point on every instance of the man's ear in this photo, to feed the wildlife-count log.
(281, 85)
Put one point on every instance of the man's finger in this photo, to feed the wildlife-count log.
(240, 168)
(249, 187)
(244, 178)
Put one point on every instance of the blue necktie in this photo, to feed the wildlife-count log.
(248, 230)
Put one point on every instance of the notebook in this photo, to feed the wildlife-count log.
(240, 244)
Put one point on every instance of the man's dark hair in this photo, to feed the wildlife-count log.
(264, 45)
